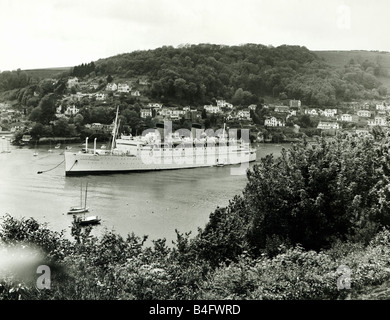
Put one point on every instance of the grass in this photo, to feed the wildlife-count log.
(339, 59)
(47, 72)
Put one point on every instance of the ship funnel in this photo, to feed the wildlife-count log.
(196, 130)
(160, 129)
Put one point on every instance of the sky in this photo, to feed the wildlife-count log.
(63, 33)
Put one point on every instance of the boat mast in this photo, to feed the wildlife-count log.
(115, 130)
(81, 195)
(86, 189)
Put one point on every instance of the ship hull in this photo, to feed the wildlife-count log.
(93, 163)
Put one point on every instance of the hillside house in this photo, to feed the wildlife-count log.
(378, 121)
(135, 93)
(382, 106)
(273, 122)
(100, 128)
(362, 132)
(329, 113)
(101, 96)
(212, 109)
(224, 104)
(93, 85)
(71, 110)
(124, 87)
(365, 106)
(295, 103)
(281, 109)
(327, 125)
(165, 112)
(346, 117)
(364, 113)
(311, 112)
(111, 86)
(145, 113)
(155, 105)
(244, 114)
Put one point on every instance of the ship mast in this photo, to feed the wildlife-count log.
(114, 132)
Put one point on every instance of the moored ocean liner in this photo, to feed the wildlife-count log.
(160, 150)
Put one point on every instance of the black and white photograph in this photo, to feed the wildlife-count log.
(194, 155)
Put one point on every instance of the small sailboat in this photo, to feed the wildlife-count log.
(89, 220)
(81, 208)
(50, 150)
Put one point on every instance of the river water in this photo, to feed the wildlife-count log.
(149, 203)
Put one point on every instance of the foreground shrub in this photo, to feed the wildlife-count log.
(87, 270)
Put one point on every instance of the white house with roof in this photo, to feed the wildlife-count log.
(135, 93)
(346, 117)
(154, 105)
(273, 122)
(123, 87)
(71, 110)
(378, 121)
(165, 112)
(364, 113)
(111, 86)
(282, 109)
(329, 113)
(244, 114)
(381, 106)
(224, 104)
(295, 103)
(146, 113)
(212, 109)
(327, 125)
(311, 112)
(101, 96)
(362, 132)
(177, 114)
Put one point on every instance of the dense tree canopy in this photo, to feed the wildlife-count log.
(200, 73)
(313, 195)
